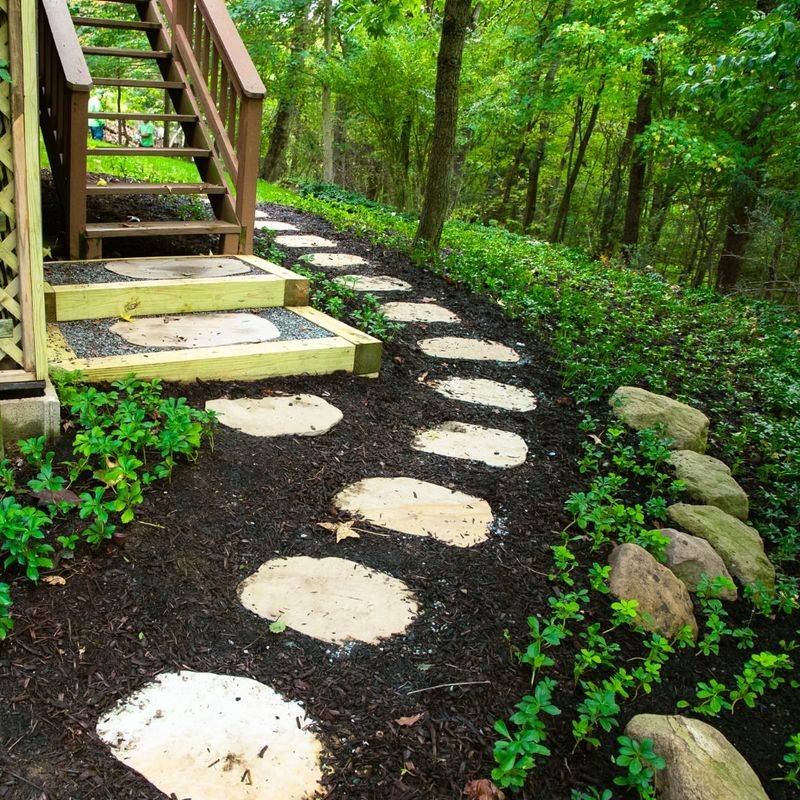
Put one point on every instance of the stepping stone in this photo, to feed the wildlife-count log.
(484, 392)
(418, 508)
(473, 443)
(290, 415)
(261, 214)
(377, 283)
(418, 312)
(332, 599)
(207, 737)
(457, 348)
(334, 260)
(196, 330)
(303, 241)
(274, 225)
(166, 268)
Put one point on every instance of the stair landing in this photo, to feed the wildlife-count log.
(219, 318)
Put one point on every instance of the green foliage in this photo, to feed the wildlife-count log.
(792, 761)
(6, 623)
(640, 763)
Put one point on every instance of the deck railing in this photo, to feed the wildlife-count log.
(64, 86)
(229, 90)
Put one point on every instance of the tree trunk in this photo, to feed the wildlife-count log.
(512, 173)
(457, 15)
(741, 204)
(340, 151)
(560, 224)
(614, 189)
(327, 109)
(636, 175)
(273, 163)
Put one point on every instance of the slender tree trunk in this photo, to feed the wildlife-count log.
(560, 223)
(457, 14)
(663, 195)
(614, 190)
(327, 106)
(738, 234)
(512, 173)
(273, 163)
(637, 172)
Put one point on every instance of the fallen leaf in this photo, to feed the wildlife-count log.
(595, 439)
(343, 530)
(101, 182)
(54, 580)
(482, 789)
(277, 626)
(48, 497)
(423, 377)
(126, 318)
(407, 722)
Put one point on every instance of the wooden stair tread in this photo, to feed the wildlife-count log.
(99, 230)
(176, 152)
(125, 52)
(137, 115)
(137, 84)
(118, 24)
(122, 187)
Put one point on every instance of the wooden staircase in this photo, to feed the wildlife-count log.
(213, 93)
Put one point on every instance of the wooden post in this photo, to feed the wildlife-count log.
(78, 128)
(248, 146)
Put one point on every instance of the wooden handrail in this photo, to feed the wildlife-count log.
(68, 47)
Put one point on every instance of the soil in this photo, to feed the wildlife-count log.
(166, 599)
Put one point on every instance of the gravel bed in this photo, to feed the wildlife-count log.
(95, 272)
(90, 338)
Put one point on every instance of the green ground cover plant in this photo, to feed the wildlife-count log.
(124, 440)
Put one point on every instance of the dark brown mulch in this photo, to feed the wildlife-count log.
(166, 600)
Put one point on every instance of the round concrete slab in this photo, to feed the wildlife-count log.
(418, 312)
(290, 415)
(374, 283)
(207, 736)
(273, 225)
(148, 269)
(458, 348)
(418, 508)
(473, 443)
(484, 392)
(261, 214)
(331, 599)
(302, 241)
(334, 260)
(196, 330)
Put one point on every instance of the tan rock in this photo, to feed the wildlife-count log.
(457, 348)
(739, 545)
(708, 480)
(484, 392)
(374, 283)
(277, 415)
(473, 443)
(273, 225)
(302, 241)
(149, 269)
(701, 763)
(640, 409)
(418, 312)
(690, 557)
(334, 260)
(664, 602)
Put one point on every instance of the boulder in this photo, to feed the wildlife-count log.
(739, 545)
(708, 480)
(690, 557)
(701, 763)
(640, 409)
(664, 603)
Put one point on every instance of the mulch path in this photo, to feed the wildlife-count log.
(165, 599)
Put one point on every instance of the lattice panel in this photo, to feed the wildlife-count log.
(9, 266)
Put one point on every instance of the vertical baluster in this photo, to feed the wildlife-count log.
(232, 114)
(214, 74)
(222, 105)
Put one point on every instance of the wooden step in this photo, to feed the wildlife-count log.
(124, 52)
(117, 24)
(123, 115)
(119, 230)
(122, 188)
(173, 152)
(137, 84)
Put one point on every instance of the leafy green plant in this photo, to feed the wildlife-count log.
(640, 763)
(792, 761)
(6, 623)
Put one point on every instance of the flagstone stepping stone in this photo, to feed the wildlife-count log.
(303, 240)
(418, 312)
(207, 737)
(639, 409)
(332, 599)
(419, 508)
(166, 268)
(473, 443)
(274, 225)
(486, 393)
(739, 545)
(196, 330)
(701, 764)
(708, 480)
(458, 348)
(289, 415)
(261, 214)
(376, 283)
(334, 260)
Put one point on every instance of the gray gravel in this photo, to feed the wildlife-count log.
(95, 272)
(90, 338)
